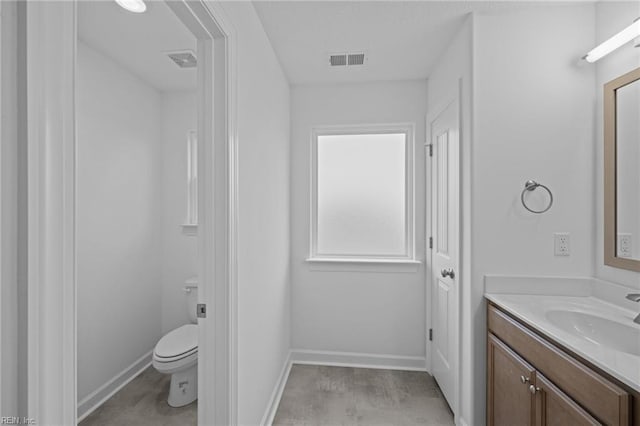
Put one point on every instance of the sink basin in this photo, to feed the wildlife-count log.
(599, 330)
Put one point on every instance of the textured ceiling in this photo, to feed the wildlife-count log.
(402, 39)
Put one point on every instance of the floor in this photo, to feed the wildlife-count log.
(143, 402)
(319, 395)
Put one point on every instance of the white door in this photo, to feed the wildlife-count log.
(445, 170)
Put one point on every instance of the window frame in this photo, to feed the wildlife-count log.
(365, 129)
(190, 225)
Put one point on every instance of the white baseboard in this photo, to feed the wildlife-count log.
(462, 422)
(98, 397)
(276, 395)
(337, 359)
(358, 360)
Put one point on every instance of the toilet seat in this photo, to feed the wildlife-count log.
(177, 350)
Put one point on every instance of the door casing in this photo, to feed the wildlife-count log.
(51, 145)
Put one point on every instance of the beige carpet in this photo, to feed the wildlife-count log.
(318, 395)
(142, 402)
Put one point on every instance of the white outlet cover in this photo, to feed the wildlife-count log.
(624, 247)
(562, 244)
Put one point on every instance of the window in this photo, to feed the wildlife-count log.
(362, 194)
(190, 227)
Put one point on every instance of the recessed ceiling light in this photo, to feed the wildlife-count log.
(135, 6)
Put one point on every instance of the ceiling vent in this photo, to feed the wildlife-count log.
(338, 59)
(184, 58)
(346, 59)
(356, 59)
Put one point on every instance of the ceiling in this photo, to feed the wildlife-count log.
(138, 42)
(402, 39)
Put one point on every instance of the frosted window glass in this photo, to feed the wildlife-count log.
(361, 195)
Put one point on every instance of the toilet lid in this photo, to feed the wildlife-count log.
(178, 342)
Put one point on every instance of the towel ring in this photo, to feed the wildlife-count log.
(531, 185)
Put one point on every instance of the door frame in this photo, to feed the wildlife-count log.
(51, 153)
(9, 248)
(455, 96)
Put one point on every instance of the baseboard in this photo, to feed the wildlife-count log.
(337, 359)
(358, 360)
(95, 399)
(462, 422)
(276, 395)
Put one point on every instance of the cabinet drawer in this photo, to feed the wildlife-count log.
(603, 399)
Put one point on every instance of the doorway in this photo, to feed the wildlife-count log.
(136, 91)
(443, 272)
(52, 246)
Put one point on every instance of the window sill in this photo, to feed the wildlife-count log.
(190, 230)
(363, 265)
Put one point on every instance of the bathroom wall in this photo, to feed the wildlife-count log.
(263, 217)
(452, 76)
(611, 17)
(534, 112)
(118, 220)
(179, 251)
(381, 311)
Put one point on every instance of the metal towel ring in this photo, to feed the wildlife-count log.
(531, 185)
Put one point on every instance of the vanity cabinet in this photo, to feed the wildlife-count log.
(555, 408)
(532, 381)
(509, 401)
(520, 395)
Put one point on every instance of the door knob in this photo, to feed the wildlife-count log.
(524, 379)
(447, 273)
(533, 389)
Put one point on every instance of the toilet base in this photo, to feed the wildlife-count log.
(184, 387)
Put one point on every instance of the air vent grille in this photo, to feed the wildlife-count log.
(347, 59)
(184, 58)
(338, 60)
(356, 59)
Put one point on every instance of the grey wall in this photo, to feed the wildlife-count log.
(118, 221)
(376, 310)
(611, 17)
(534, 109)
(263, 216)
(179, 252)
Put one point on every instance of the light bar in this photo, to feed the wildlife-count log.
(623, 37)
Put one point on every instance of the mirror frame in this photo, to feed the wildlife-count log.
(610, 173)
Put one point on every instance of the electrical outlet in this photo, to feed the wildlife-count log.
(624, 245)
(562, 244)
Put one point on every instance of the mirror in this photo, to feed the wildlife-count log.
(622, 171)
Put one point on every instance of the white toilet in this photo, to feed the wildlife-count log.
(177, 353)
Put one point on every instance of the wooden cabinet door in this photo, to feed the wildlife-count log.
(555, 408)
(509, 400)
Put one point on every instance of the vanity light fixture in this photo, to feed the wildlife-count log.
(623, 37)
(135, 6)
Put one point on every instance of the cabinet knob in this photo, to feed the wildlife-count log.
(524, 379)
(533, 389)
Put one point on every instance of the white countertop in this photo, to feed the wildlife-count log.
(530, 299)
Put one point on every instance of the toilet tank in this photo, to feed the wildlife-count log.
(191, 298)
